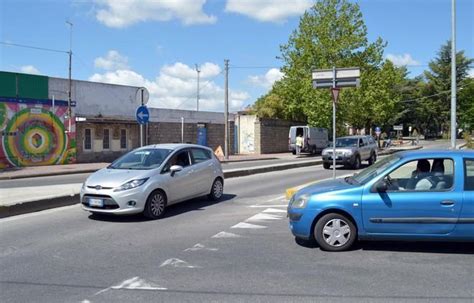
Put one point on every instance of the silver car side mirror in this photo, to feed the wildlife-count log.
(175, 168)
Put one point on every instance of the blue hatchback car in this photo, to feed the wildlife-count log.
(417, 195)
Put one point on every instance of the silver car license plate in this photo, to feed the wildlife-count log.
(96, 202)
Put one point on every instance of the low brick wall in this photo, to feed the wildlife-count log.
(271, 135)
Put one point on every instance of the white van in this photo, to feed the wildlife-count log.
(315, 139)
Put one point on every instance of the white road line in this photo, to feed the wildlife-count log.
(199, 246)
(274, 210)
(267, 206)
(263, 217)
(224, 234)
(277, 198)
(175, 262)
(248, 226)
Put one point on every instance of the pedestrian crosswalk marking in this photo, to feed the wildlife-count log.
(199, 246)
(248, 226)
(263, 217)
(274, 210)
(224, 234)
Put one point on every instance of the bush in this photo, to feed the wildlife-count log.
(469, 140)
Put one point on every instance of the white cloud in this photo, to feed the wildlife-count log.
(268, 10)
(402, 60)
(29, 69)
(122, 13)
(112, 61)
(268, 79)
(175, 87)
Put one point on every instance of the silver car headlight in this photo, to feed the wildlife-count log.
(325, 152)
(131, 184)
(300, 202)
(348, 153)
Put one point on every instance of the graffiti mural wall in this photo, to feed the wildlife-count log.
(34, 132)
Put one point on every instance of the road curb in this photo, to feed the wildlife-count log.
(34, 206)
(44, 204)
(266, 169)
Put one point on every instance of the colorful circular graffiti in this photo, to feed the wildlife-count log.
(3, 115)
(40, 138)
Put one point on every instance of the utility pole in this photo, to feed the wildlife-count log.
(226, 110)
(69, 93)
(453, 75)
(334, 125)
(197, 94)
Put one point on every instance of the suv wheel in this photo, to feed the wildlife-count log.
(356, 164)
(335, 232)
(372, 158)
(326, 165)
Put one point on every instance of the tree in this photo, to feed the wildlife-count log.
(333, 33)
(438, 87)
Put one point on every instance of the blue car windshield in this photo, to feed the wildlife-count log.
(141, 159)
(374, 170)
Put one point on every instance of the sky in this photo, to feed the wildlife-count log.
(157, 43)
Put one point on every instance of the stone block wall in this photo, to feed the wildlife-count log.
(271, 135)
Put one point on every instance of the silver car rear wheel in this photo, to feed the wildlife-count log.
(217, 190)
(156, 204)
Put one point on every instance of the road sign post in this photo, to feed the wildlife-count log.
(335, 79)
(142, 114)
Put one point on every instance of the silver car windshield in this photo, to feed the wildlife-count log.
(141, 159)
(374, 170)
(346, 142)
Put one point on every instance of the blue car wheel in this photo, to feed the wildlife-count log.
(335, 232)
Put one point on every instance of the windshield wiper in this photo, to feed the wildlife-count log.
(351, 180)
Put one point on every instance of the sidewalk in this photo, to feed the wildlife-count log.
(66, 169)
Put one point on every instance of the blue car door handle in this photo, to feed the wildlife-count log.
(447, 202)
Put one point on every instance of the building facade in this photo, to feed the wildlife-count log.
(36, 128)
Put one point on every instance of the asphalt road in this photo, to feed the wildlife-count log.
(208, 252)
(79, 178)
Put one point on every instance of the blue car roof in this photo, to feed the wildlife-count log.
(436, 153)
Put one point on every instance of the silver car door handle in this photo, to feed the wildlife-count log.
(447, 202)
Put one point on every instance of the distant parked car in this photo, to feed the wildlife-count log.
(351, 151)
(417, 195)
(315, 139)
(148, 179)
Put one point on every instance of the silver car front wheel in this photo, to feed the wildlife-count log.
(155, 205)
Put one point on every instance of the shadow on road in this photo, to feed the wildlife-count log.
(425, 247)
(401, 246)
(197, 204)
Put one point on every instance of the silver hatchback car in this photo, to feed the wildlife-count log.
(148, 179)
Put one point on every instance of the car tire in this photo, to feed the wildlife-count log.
(356, 164)
(293, 152)
(326, 165)
(217, 190)
(155, 205)
(372, 158)
(313, 150)
(335, 232)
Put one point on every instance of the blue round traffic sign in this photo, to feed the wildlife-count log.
(142, 114)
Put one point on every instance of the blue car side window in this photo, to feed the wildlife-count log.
(469, 174)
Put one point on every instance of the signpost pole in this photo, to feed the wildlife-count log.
(141, 125)
(334, 125)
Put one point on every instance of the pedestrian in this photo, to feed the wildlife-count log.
(299, 144)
